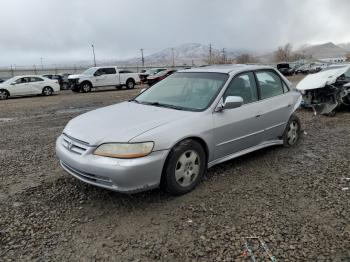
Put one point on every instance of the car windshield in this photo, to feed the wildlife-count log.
(89, 71)
(11, 80)
(184, 91)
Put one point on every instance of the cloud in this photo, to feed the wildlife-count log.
(63, 30)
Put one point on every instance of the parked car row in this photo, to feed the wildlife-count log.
(61, 78)
(288, 70)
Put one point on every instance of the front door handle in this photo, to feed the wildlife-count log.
(258, 116)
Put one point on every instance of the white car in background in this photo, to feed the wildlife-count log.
(28, 85)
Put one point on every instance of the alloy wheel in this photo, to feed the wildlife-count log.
(47, 91)
(86, 88)
(3, 95)
(130, 85)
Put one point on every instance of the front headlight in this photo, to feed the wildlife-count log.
(124, 150)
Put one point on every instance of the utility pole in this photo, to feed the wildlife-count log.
(93, 52)
(12, 71)
(41, 62)
(172, 51)
(223, 56)
(210, 53)
(142, 58)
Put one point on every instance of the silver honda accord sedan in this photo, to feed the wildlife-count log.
(171, 133)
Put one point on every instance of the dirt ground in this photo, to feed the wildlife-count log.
(293, 198)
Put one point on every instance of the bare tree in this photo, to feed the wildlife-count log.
(347, 57)
(283, 53)
(246, 59)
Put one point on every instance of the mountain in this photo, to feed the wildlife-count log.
(185, 54)
(327, 50)
(345, 46)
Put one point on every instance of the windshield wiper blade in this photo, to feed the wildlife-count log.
(165, 105)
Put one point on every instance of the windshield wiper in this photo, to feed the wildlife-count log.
(134, 100)
(164, 105)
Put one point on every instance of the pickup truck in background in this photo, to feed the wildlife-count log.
(103, 76)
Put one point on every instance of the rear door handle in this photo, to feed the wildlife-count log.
(258, 116)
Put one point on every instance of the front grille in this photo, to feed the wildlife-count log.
(89, 177)
(74, 145)
(73, 81)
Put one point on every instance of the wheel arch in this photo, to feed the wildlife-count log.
(198, 139)
(86, 81)
(130, 79)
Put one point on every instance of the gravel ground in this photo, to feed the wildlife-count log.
(290, 197)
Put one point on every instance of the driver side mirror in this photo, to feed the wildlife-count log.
(13, 83)
(97, 74)
(230, 103)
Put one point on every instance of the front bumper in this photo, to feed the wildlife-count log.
(121, 175)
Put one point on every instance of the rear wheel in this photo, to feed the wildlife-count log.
(184, 168)
(3, 94)
(292, 132)
(47, 91)
(130, 84)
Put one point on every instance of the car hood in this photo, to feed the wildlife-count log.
(152, 77)
(74, 76)
(120, 122)
(321, 79)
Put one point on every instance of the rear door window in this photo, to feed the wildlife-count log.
(36, 79)
(270, 84)
(109, 71)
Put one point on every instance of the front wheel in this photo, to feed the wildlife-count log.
(3, 94)
(47, 91)
(184, 168)
(292, 132)
(86, 87)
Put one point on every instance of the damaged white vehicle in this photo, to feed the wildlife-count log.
(327, 90)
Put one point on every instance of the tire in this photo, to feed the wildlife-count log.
(47, 91)
(292, 132)
(130, 84)
(85, 87)
(3, 94)
(184, 168)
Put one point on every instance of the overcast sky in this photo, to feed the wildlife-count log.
(63, 30)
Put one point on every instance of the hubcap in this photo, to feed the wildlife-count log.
(292, 135)
(187, 168)
(130, 84)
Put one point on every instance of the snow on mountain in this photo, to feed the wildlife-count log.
(185, 54)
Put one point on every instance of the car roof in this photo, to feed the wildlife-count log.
(29, 76)
(227, 69)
